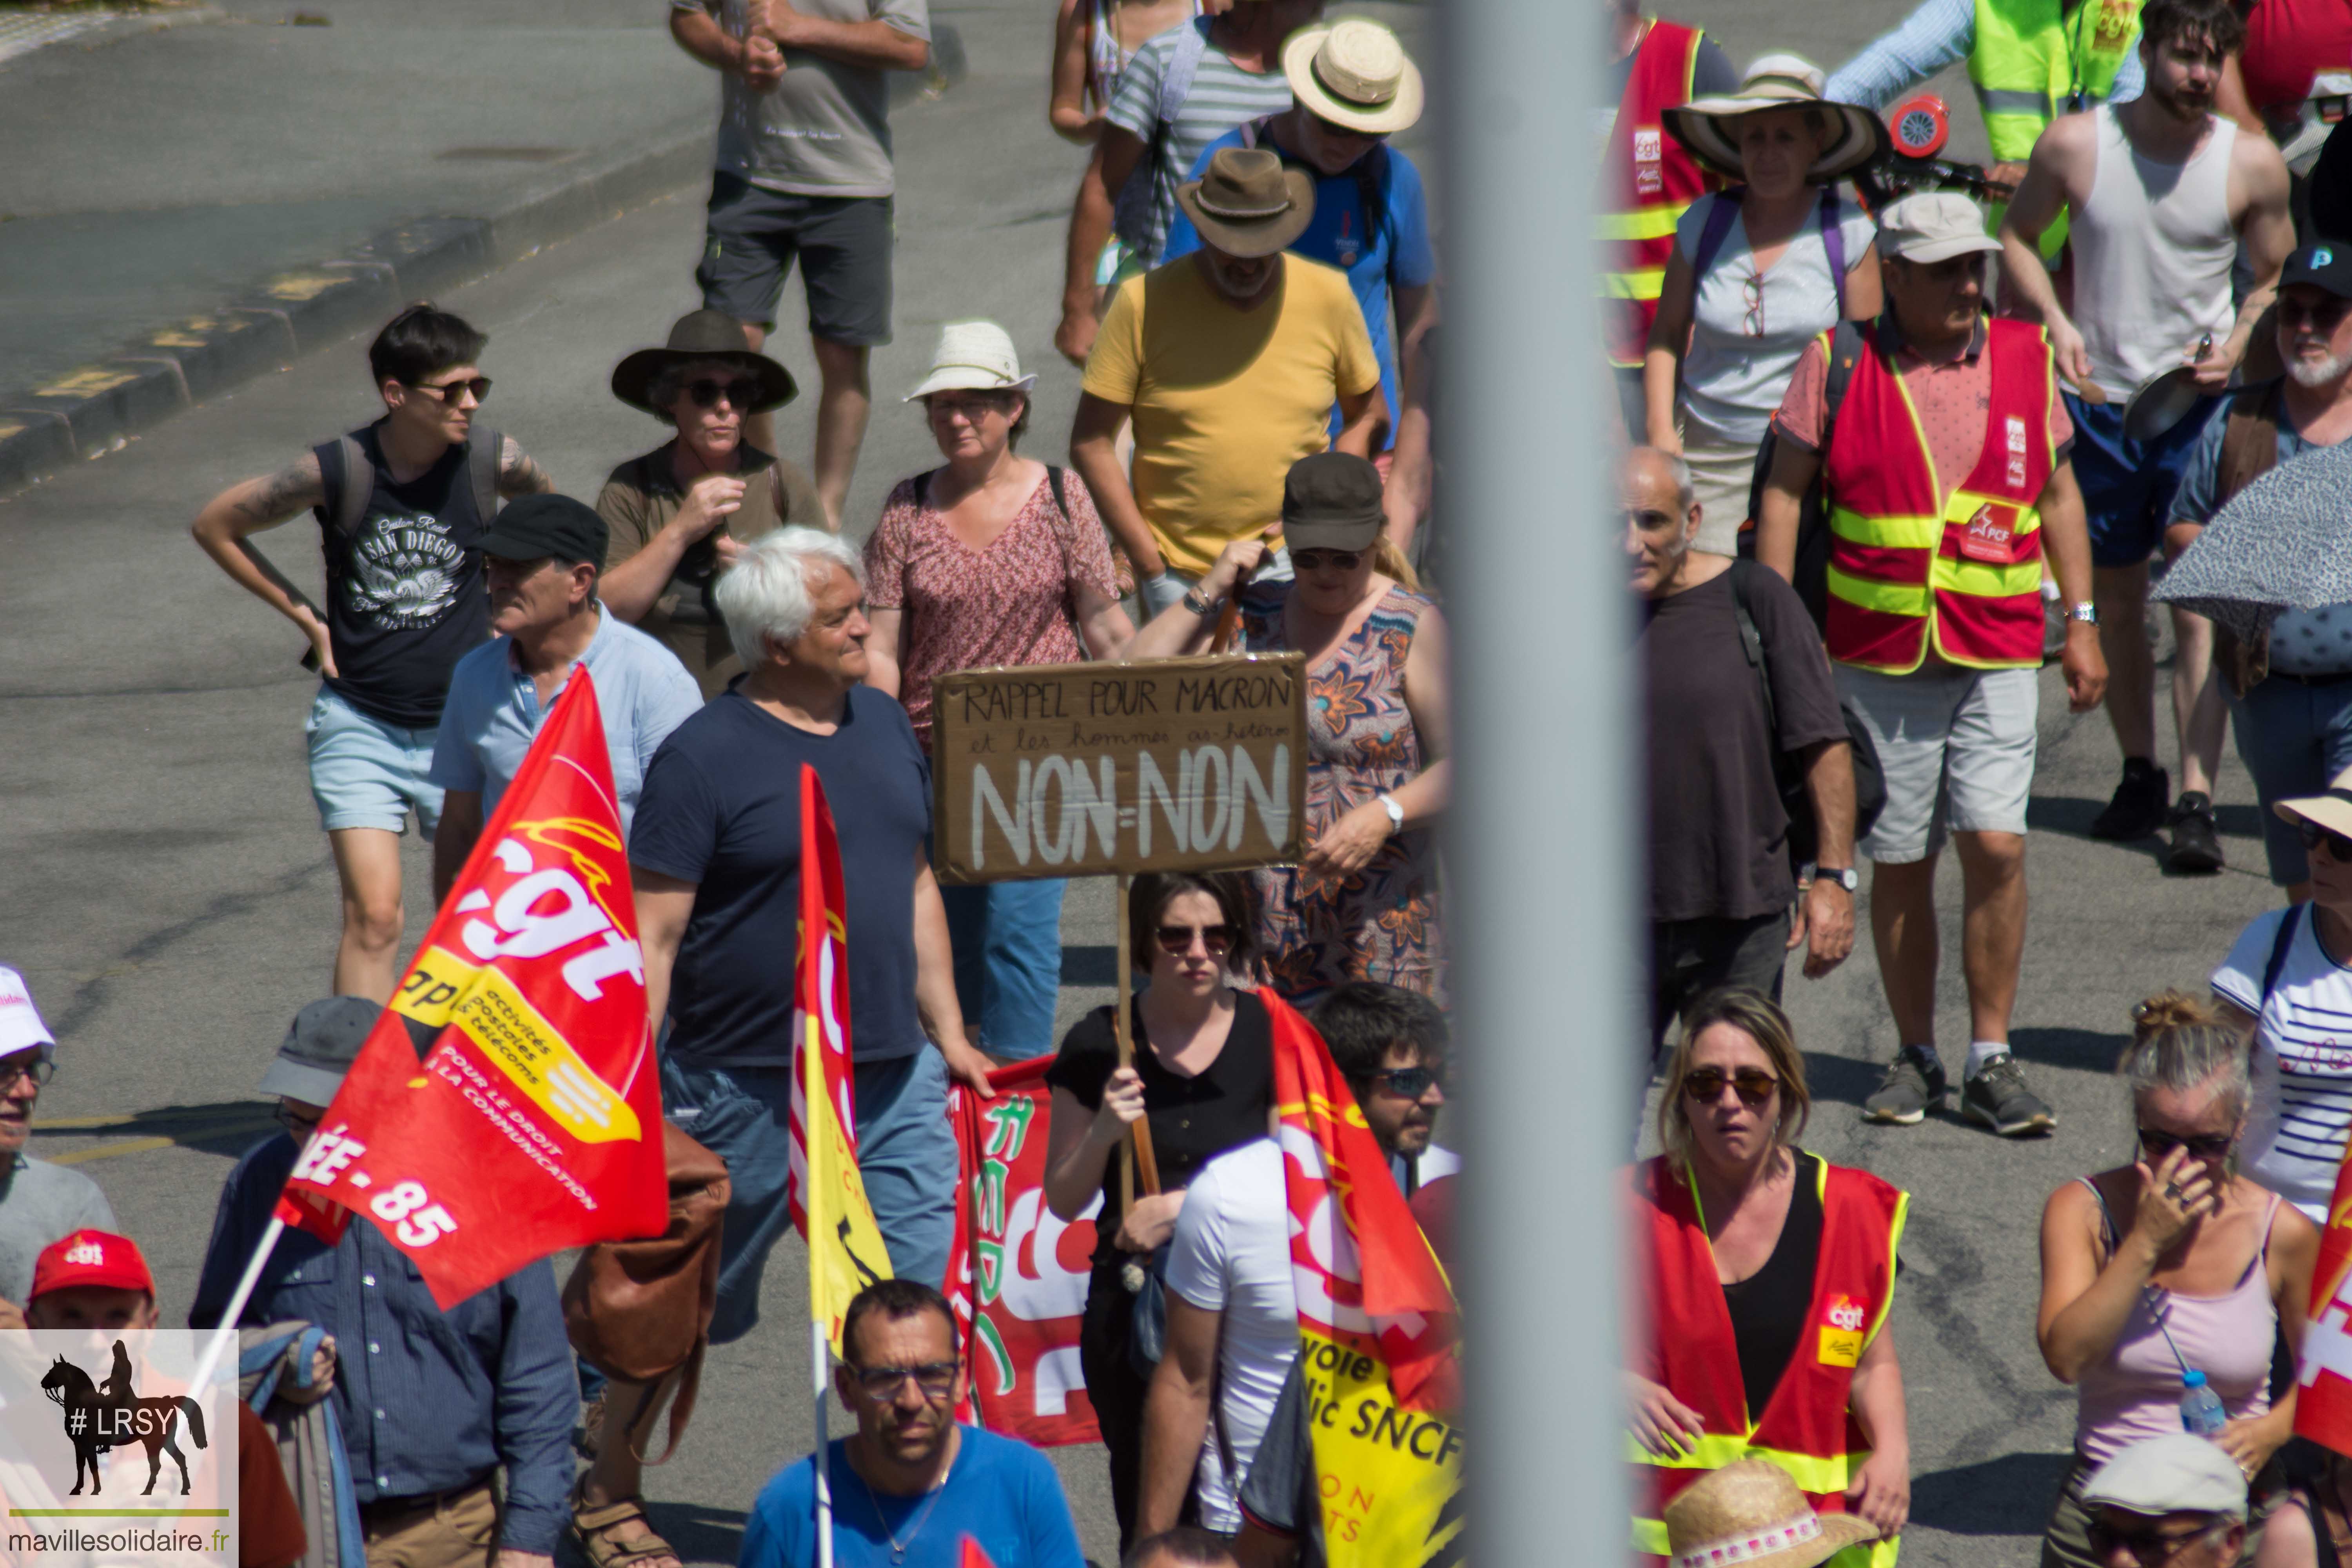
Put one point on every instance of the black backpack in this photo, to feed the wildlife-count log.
(1811, 575)
(1788, 767)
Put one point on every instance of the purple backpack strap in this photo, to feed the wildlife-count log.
(1833, 242)
(1720, 215)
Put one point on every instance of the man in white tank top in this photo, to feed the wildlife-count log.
(2162, 194)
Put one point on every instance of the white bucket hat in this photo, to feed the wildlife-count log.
(974, 356)
(1354, 73)
(1777, 81)
(21, 1028)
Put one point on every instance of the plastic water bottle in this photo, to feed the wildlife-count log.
(2200, 1407)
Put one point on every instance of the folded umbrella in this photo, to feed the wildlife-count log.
(2283, 543)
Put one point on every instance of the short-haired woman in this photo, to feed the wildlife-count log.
(1768, 1273)
(2171, 1265)
(1203, 1079)
(990, 559)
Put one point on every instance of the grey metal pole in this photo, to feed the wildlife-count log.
(1545, 898)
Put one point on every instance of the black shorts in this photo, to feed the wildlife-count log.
(844, 243)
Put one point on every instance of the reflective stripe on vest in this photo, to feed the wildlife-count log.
(1912, 570)
(1655, 179)
(2032, 61)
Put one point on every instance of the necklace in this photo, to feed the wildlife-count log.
(898, 1548)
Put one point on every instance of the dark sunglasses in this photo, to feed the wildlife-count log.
(294, 1122)
(2213, 1146)
(450, 391)
(738, 393)
(1320, 560)
(1177, 941)
(1410, 1083)
(2148, 1548)
(2339, 847)
(878, 1384)
(2324, 317)
(1753, 1085)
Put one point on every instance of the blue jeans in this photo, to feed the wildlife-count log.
(1007, 938)
(906, 1152)
(2293, 739)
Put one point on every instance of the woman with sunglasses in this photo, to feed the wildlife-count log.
(1363, 902)
(1203, 1083)
(990, 559)
(2172, 1265)
(677, 514)
(1767, 1276)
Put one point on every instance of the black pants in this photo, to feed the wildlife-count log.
(1689, 958)
(1115, 1389)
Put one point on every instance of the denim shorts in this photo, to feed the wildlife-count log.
(2293, 739)
(365, 772)
(1957, 747)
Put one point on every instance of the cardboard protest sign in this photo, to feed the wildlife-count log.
(1075, 769)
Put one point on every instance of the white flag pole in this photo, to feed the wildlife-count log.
(820, 1364)
(225, 1335)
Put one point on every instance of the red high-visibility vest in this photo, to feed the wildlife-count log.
(1910, 571)
(1806, 1427)
(1654, 179)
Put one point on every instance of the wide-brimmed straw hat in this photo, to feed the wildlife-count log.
(1706, 125)
(2332, 811)
(974, 356)
(1246, 203)
(704, 335)
(1752, 1515)
(1354, 73)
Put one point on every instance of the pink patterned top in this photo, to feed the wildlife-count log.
(1012, 603)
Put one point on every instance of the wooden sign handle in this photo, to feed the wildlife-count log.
(1137, 1151)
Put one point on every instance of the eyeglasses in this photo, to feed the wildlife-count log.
(294, 1122)
(935, 1378)
(39, 1069)
(1753, 1085)
(1325, 559)
(1752, 287)
(2339, 847)
(1410, 1083)
(971, 406)
(1177, 941)
(2147, 1547)
(2324, 317)
(2212, 1146)
(450, 391)
(738, 393)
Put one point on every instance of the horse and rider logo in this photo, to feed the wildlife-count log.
(111, 1414)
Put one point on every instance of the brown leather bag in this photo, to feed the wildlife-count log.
(640, 1310)
(2249, 450)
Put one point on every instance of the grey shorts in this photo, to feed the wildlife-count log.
(844, 243)
(1957, 749)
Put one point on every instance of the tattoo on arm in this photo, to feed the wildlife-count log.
(271, 501)
(520, 475)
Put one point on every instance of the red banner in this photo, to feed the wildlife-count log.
(1018, 1276)
(2323, 1411)
(506, 1107)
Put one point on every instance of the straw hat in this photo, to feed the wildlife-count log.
(974, 356)
(1705, 125)
(698, 336)
(1246, 203)
(2332, 811)
(1751, 1515)
(1354, 73)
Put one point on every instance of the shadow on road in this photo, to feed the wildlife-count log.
(1841, 1079)
(2073, 815)
(2007, 1496)
(701, 1533)
(2086, 1050)
(228, 1128)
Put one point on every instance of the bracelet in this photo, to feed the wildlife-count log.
(1200, 607)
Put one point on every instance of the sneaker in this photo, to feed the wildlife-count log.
(1913, 1082)
(2196, 837)
(1998, 1097)
(2137, 809)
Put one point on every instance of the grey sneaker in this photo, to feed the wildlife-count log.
(1913, 1082)
(1998, 1097)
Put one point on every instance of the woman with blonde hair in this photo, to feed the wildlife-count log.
(2173, 1272)
(1767, 1276)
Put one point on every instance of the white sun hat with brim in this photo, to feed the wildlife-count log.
(974, 356)
(21, 1028)
(2332, 811)
(1706, 126)
(1354, 73)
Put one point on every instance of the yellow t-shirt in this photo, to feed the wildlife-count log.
(1226, 400)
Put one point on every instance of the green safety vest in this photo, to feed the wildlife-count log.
(2034, 61)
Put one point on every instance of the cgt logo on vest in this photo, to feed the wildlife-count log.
(1842, 1332)
(1649, 154)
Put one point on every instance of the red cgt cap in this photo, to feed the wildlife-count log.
(92, 1257)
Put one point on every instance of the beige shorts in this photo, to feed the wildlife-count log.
(1957, 747)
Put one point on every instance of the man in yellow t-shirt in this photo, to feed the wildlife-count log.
(1229, 360)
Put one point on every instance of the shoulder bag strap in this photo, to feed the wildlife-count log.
(1833, 245)
(483, 449)
(2281, 946)
(356, 478)
(1751, 642)
(1719, 217)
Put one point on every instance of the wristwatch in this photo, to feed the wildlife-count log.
(1199, 605)
(2085, 611)
(1396, 813)
(1843, 876)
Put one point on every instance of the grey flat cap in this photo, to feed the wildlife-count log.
(320, 1047)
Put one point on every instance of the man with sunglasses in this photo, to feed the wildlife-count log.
(2291, 691)
(2173, 1502)
(39, 1202)
(401, 505)
(911, 1485)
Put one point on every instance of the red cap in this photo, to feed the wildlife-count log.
(92, 1257)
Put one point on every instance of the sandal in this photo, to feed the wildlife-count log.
(589, 1524)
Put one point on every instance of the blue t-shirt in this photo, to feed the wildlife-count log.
(722, 809)
(1001, 1492)
(1398, 254)
(492, 713)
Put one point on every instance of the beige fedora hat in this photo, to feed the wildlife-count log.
(1354, 73)
(1246, 203)
(2332, 811)
(1705, 125)
(1751, 1515)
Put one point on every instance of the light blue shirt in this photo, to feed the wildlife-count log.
(1938, 33)
(493, 713)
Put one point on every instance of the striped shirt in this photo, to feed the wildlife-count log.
(2301, 1066)
(1223, 96)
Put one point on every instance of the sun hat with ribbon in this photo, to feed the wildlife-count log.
(1354, 73)
(1247, 203)
(1751, 1515)
(697, 336)
(974, 356)
(2332, 811)
(1705, 125)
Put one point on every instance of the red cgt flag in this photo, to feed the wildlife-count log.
(506, 1106)
(2323, 1411)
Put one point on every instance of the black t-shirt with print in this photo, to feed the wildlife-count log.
(405, 596)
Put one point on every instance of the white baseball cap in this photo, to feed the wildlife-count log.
(21, 1027)
(1934, 226)
(2177, 1473)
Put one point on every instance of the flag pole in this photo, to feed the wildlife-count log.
(218, 1347)
(1135, 1151)
(819, 1365)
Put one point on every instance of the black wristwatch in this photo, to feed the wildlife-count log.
(1845, 876)
(1194, 602)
